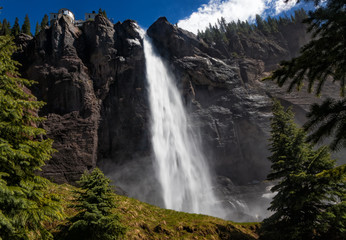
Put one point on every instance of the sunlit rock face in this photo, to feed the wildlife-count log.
(94, 82)
(92, 79)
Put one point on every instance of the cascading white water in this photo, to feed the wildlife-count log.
(180, 165)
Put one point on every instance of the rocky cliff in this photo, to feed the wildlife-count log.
(93, 80)
(227, 98)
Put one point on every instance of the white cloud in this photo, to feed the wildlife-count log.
(231, 10)
(281, 6)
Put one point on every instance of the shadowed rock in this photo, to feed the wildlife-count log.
(93, 80)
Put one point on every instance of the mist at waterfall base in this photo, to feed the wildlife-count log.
(176, 175)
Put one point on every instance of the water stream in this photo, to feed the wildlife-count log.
(180, 165)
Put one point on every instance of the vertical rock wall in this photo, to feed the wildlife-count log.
(93, 80)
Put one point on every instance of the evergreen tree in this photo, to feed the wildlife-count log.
(25, 202)
(300, 15)
(6, 27)
(283, 21)
(322, 59)
(262, 25)
(8, 32)
(272, 23)
(37, 29)
(104, 13)
(231, 30)
(224, 33)
(308, 188)
(44, 22)
(334, 227)
(222, 24)
(16, 28)
(208, 37)
(26, 26)
(95, 202)
(199, 34)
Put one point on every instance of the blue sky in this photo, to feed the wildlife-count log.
(189, 14)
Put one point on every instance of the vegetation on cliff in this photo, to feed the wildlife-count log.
(224, 35)
(94, 201)
(310, 199)
(145, 221)
(25, 202)
(5, 27)
(26, 28)
(310, 203)
(322, 59)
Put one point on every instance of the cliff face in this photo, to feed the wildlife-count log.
(227, 98)
(93, 80)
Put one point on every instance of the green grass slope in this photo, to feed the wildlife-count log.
(145, 221)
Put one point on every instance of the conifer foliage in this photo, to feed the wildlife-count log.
(322, 59)
(26, 28)
(37, 29)
(6, 27)
(44, 22)
(103, 13)
(310, 199)
(224, 32)
(16, 28)
(25, 202)
(95, 202)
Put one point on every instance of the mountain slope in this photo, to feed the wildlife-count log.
(145, 221)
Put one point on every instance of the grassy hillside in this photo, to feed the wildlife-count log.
(144, 221)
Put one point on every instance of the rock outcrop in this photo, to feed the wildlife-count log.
(230, 104)
(72, 108)
(93, 80)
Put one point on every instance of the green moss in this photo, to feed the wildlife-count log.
(145, 221)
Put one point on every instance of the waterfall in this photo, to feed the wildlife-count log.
(180, 165)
